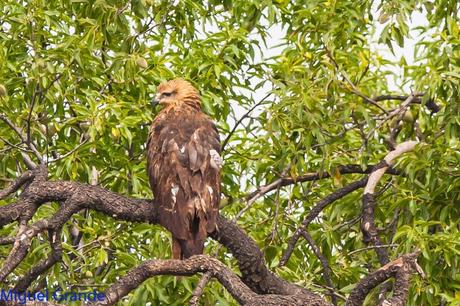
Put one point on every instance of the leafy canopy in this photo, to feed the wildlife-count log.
(82, 73)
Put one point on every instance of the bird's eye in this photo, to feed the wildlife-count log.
(166, 94)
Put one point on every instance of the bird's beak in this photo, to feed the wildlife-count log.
(154, 102)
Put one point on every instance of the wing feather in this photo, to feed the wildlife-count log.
(179, 146)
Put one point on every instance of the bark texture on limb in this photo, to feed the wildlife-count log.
(256, 286)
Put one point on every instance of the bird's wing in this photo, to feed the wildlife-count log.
(184, 170)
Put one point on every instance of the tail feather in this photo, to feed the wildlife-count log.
(183, 249)
(176, 249)
(191, 247)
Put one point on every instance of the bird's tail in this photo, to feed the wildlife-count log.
(176, 249)
(183, 249)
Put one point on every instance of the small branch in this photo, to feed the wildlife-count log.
(326, 268)
(14, 146)
(353, 87)
(398, 97)
(430, 104)
(70, 152)
(200, 288)
(6, 240)
(32, 105)
(17, 253)
(307, 177)
(31, 145)
(373, 247)
(227, 139)
(315, 211)
(43, 266)
(18, 183)
(401, 109)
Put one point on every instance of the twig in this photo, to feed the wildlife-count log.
(18, 183)
(326, 268)
(398, 97)
(29, 117)
(312, 176)
(353, 87)
(395, 112)
(200, 288)
(315, 211)
(41, 93)
(31, 145)
(70, 152)
(373, 247)
(227, 139)
(15, 146)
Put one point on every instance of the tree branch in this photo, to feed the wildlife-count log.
(258, 285)
(307, 177)
(23, 138)
(17, 183)
(400, 269)
(200, 264)
(44, 265)
(353, 87)
(314, 212)
(227, 139)
(324, 263)
(74, 197)
(200, 288)
(368, 228)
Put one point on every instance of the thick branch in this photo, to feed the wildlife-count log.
(400, 269)
(263, 287)
(251, 262)
(75, 196)
(368, 228)
(199, 264)
(191, 266)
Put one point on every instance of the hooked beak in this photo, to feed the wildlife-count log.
(155, 101)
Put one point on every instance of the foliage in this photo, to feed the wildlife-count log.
(82, 73)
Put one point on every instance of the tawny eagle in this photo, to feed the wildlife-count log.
(184, 167)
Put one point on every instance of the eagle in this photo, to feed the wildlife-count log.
(183, 165)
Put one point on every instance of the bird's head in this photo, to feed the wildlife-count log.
(176, 92)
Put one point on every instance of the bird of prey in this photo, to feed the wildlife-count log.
(184, 167)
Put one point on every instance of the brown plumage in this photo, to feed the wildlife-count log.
(183, 164)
